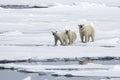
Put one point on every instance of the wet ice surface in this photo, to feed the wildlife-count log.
(15, 71)
(20, 76)
(66, 61)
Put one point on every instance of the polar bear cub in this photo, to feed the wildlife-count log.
(60, 36)
(86, 32)
(71, 36)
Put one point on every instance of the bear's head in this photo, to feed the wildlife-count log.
(54, 33)
(81, 25)
(67, 31)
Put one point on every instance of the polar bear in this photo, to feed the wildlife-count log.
(60, 36)
(71, 36)
(86, 32)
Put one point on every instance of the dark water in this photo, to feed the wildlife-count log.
(11, 75)
(14, 75)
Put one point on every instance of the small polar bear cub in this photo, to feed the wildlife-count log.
(60, 36)
(86, 32)
(71, 36)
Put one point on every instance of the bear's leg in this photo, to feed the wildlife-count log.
(61, 42)
(92, 38)
(72, 41)
(66, 42)
(69, 41)
(82, 38)
(56, 42)
(86, 39)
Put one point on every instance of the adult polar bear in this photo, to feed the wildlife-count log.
(71, 36)
(86, 32)
(60, 36)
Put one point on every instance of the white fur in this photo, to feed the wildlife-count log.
(86, 32)
(60, 36)
(71, 36)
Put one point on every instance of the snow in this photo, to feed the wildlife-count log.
(12, 33)
(111, 79)
(116, 68)
(26, 34)
(43, 52)
(70, 2)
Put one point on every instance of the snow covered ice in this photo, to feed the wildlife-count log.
(25, 34)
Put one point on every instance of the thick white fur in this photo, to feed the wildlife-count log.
(71, 36)
(60, 36)
(86, 32)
